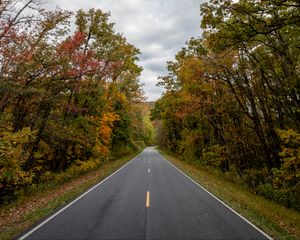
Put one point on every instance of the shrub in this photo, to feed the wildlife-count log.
(77, 169)
(289, 173)
(255, 177)
(216, 156)
(287, 197)
(286, 180)
(13, 155)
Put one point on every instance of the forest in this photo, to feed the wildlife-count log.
(70, 95)
(232, 99)
(71, 98)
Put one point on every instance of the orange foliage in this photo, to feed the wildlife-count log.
(106, 125)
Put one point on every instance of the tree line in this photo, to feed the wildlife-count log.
(69, 95)
(232, 97)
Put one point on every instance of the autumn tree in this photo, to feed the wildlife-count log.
(68, 100)
(233, 94)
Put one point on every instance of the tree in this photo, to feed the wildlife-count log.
(72, 96)
(234, 89)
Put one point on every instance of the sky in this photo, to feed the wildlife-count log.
(159, 28)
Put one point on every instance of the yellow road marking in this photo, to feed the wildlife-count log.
(147, 199)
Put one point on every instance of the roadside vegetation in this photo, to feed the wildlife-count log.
(70, 97)
(232, 98)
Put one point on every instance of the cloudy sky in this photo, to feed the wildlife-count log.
(159, 28)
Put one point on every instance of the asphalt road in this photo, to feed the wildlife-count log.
(147, 199)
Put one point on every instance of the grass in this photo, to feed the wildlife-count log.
(17, 217)
(276, 220)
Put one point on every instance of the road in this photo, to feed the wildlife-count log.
(146, 199)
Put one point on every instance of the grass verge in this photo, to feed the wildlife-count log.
(274, 219)
(17, 217)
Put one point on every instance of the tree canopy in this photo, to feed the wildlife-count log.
(232, 96)
(69, 100)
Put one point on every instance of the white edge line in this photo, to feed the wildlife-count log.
(246, 220)
(82, 195)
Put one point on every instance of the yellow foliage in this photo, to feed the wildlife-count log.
(104, 131)
(106, 124)
(121, 97)
(191, 70)
(100, 150)
(80, 167)
(12, 156)
(289, 173)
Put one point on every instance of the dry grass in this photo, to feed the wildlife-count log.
(276, 220)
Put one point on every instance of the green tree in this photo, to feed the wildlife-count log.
(232, 94)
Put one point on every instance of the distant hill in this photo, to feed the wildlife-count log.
(146, 107)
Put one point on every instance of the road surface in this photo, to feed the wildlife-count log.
(146, 199)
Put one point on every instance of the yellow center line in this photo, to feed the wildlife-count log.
(147, 199)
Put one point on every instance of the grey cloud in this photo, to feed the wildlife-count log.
(159, 28)
(155, 65)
